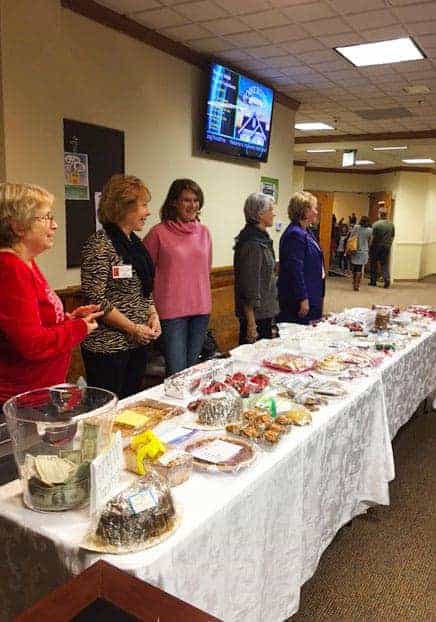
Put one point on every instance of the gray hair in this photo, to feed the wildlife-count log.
(255, 204)
(18, 205)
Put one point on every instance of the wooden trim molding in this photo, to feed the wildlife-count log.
(339, 138)
(300, 163)
(103, 581)
(111, 19)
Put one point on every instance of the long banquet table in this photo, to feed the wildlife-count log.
(247, 542)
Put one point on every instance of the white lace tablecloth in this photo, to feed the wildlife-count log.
(247, 542)
(408, 378)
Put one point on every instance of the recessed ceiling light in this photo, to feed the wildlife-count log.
(312, 126)
(418, 161)
(381, 52)
(321, 150)
(402, 148)
(364, 162)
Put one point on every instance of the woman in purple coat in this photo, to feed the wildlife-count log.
(301, 282)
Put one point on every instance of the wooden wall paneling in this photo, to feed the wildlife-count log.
(374, 197)
(325, 209)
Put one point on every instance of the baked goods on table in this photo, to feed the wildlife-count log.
(143, 415)
(244, 384)
(382, 318)
(331, 364)
(217, 409)
(221, 453)
(175, 465)
(184, 383)
(292, 363)
(142, 512)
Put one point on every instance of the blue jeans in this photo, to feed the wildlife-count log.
(183, 339)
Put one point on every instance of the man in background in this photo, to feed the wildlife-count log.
(383, 233)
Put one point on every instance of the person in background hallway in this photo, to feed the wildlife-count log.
(341, 250)
(117, 273)
(256, 303)
(181, 249)
(301, 282)
(359, 258)
(352, 219)
(383, 233)
(36, 336)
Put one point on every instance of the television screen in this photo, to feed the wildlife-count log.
(239, 113)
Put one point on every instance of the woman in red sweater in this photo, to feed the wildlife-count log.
(36, 338)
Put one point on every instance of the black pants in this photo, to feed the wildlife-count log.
(121, 372)
(264, 329)
(379, 253)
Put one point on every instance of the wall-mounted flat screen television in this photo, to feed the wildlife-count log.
(238, 116)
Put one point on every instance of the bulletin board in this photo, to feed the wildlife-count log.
(93, 154)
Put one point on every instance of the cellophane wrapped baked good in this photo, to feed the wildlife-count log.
(221, 453)
(136, 518)
(186, 382)
(174, 464)
(217, 409)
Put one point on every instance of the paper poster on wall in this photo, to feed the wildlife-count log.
(270, 186)
(97, 197)
(76, 176)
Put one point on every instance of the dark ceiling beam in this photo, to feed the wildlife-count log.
(342, 138)
(111, 19)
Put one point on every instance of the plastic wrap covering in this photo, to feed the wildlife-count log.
(186, 382)
(221, 453)
(140, 516)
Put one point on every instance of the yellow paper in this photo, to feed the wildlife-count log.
(146, 445)
(131, 419)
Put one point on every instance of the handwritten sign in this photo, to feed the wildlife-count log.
(105, 474)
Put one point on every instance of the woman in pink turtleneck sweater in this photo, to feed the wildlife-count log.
(181, 249)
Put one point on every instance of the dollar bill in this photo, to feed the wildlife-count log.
(73, 455)
(52, 469)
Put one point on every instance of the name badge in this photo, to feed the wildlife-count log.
(122, 272)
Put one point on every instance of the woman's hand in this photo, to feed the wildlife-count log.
(82, 312)
(251, 333)
(143, 334)
(304, 308)
(154, 324)
(90, 320)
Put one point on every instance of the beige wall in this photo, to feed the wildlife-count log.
(80, 70)
(339, 182)
(298, 177)
(345, 203)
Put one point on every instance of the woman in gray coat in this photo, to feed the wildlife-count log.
(254, 264)
(359, 257)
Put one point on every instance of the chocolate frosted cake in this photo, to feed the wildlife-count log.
(144, 510)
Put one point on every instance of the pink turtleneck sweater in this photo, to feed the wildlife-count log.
(182, 255)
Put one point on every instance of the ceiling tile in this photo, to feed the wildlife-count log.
(280, 34)
(266, 51)
(384, 34)
(252, 64)
(265, 19)
(319, 56)
(210, 44)
(422, 28)
(416, 12)
(414, 66)
(239, 7)
(329, 67)
(327, 26)
(234, 55)
(426, 41)
(367, 20)
(309, 12)
(357, 6)
(247, 39)
(201, 11)
(186, 33)
(284, 61)
(268, 73)
(303, 45)
(345, 38)
(160, 18)
(129, 6)
(226, 26)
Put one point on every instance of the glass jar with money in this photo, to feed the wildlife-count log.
(56, 432)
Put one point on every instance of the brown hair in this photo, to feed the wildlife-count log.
(120, 195)
(364, 221)
(299, 205)
(168, 210)
(18, 204)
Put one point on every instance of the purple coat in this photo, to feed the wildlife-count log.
(300, 275)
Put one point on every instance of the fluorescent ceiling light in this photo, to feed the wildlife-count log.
(381, 52)
(418, 161)
(364, 162)
(312, 126)
(321, 150)
(389, 148)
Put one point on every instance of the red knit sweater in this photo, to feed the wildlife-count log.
(35, 338)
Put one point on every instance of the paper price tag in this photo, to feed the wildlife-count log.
(217, 451)
(177, 435)
(122, 272)
(105, 474)
(141, 501)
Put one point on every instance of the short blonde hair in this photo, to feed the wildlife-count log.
(299, 205)
(18, 205)
(120, 195)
